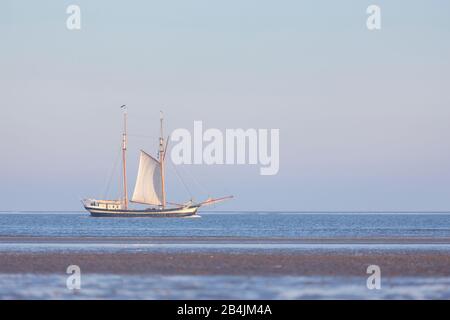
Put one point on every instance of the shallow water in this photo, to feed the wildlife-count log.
(93, 286)
(221, 247)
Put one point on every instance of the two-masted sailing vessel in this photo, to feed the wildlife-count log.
(149, 189)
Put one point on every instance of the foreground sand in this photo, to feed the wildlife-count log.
(214, 263)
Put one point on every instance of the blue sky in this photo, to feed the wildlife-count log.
(363, 116)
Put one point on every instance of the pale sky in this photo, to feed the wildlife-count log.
(363, 115)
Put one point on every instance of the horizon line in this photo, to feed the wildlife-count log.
(254, 211)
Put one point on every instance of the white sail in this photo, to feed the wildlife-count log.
(148, 182)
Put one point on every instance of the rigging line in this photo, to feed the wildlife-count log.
(140, 135)
(195, 181)
(181, 179)
(113, 169)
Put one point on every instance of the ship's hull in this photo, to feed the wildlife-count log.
(153, 213)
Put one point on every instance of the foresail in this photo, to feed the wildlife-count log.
(148, 183)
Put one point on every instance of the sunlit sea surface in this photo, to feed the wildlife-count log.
(273, 224)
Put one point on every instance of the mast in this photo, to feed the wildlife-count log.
(161, 161)
(124, 156)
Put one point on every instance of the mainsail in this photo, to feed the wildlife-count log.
(148, 183)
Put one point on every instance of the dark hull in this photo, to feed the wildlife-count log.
(152, 213)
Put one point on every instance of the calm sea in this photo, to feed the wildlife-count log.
(235, 226)
(260, 225)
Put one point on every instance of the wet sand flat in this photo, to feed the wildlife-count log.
(423, 264)
(349, 262)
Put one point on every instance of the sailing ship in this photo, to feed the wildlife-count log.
(149, 189)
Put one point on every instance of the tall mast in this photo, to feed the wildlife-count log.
(124, 156)
(161, 161)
